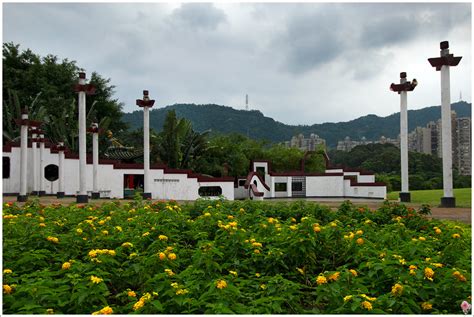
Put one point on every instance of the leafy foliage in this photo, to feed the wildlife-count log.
(45, 86)
(424, 170)
(219, 257)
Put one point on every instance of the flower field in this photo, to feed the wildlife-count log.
(219, 257)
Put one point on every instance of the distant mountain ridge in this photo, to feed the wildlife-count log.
(253, 123)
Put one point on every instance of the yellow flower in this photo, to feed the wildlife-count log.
(41, 219)
(131, 294)
(169, 272)
(162, 256)
(333, 224)
(459, 276)
(316, 229)
(230, 217)
(367, 305)
(146, 297)
(42, 224)
(368, 297)
(127, 245)
(412, 267)
(105, 232)
(300, 270)
(257, 274)
(220, 284)
(101, 222)
(426, 306)
(172, 256)
(111, 252)
(293, 219)
(79, 230)
(334, 276)
(50, 311)
(256, 244)
(163, 237)
(66, 265)
(182, 291)
(412, 272)
(271, 220)
(168, 249)
(104, 311)
(429, 273)
(347, 298)
(263, 286)
(7, 271)
(174, 285)
(138, 305)
(353, 272)
(456, 236)
(118, 228)
(437, 264)
(145, 234)
(359, 232)
(397, 289)
(360, 241)
(438, 231)
(207, 214)
(7, 289)
(95, 279)
(321, 280)
(422, 238)
(233, 273)
(256, 251)
(368, 221)
(293, 227)
(53, 239)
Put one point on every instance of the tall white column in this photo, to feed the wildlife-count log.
(442, 64)
(34, 156)
(95, 160)
(60, 193)
(82, 196)
(146, 103)
(404, 138)
(42, 191)
(146, 151)
(23, 158)
(446, 131)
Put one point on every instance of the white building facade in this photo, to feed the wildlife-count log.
(115, 179)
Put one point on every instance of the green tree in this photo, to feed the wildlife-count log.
(45, 85)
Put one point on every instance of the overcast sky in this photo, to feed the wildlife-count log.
(299, 63)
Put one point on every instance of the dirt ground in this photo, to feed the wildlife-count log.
(459, 214)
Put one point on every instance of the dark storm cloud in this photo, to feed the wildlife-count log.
(324, 32)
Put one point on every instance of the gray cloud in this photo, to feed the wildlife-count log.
(313, 56)
(198, 16)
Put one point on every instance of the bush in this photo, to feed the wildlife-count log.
(219, 257)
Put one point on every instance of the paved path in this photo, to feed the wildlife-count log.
(460, 214)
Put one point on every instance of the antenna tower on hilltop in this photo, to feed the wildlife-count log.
(460, 96)
(247, 102)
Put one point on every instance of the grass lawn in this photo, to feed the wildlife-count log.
(433, 197)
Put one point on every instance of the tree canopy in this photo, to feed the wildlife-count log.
(45, 86)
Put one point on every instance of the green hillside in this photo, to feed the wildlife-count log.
(254, 124)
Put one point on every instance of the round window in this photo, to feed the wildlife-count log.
(51, 172)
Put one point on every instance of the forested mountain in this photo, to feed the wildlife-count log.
(254, 124)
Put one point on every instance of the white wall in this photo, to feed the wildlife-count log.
(109, 179)
(331, 186)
